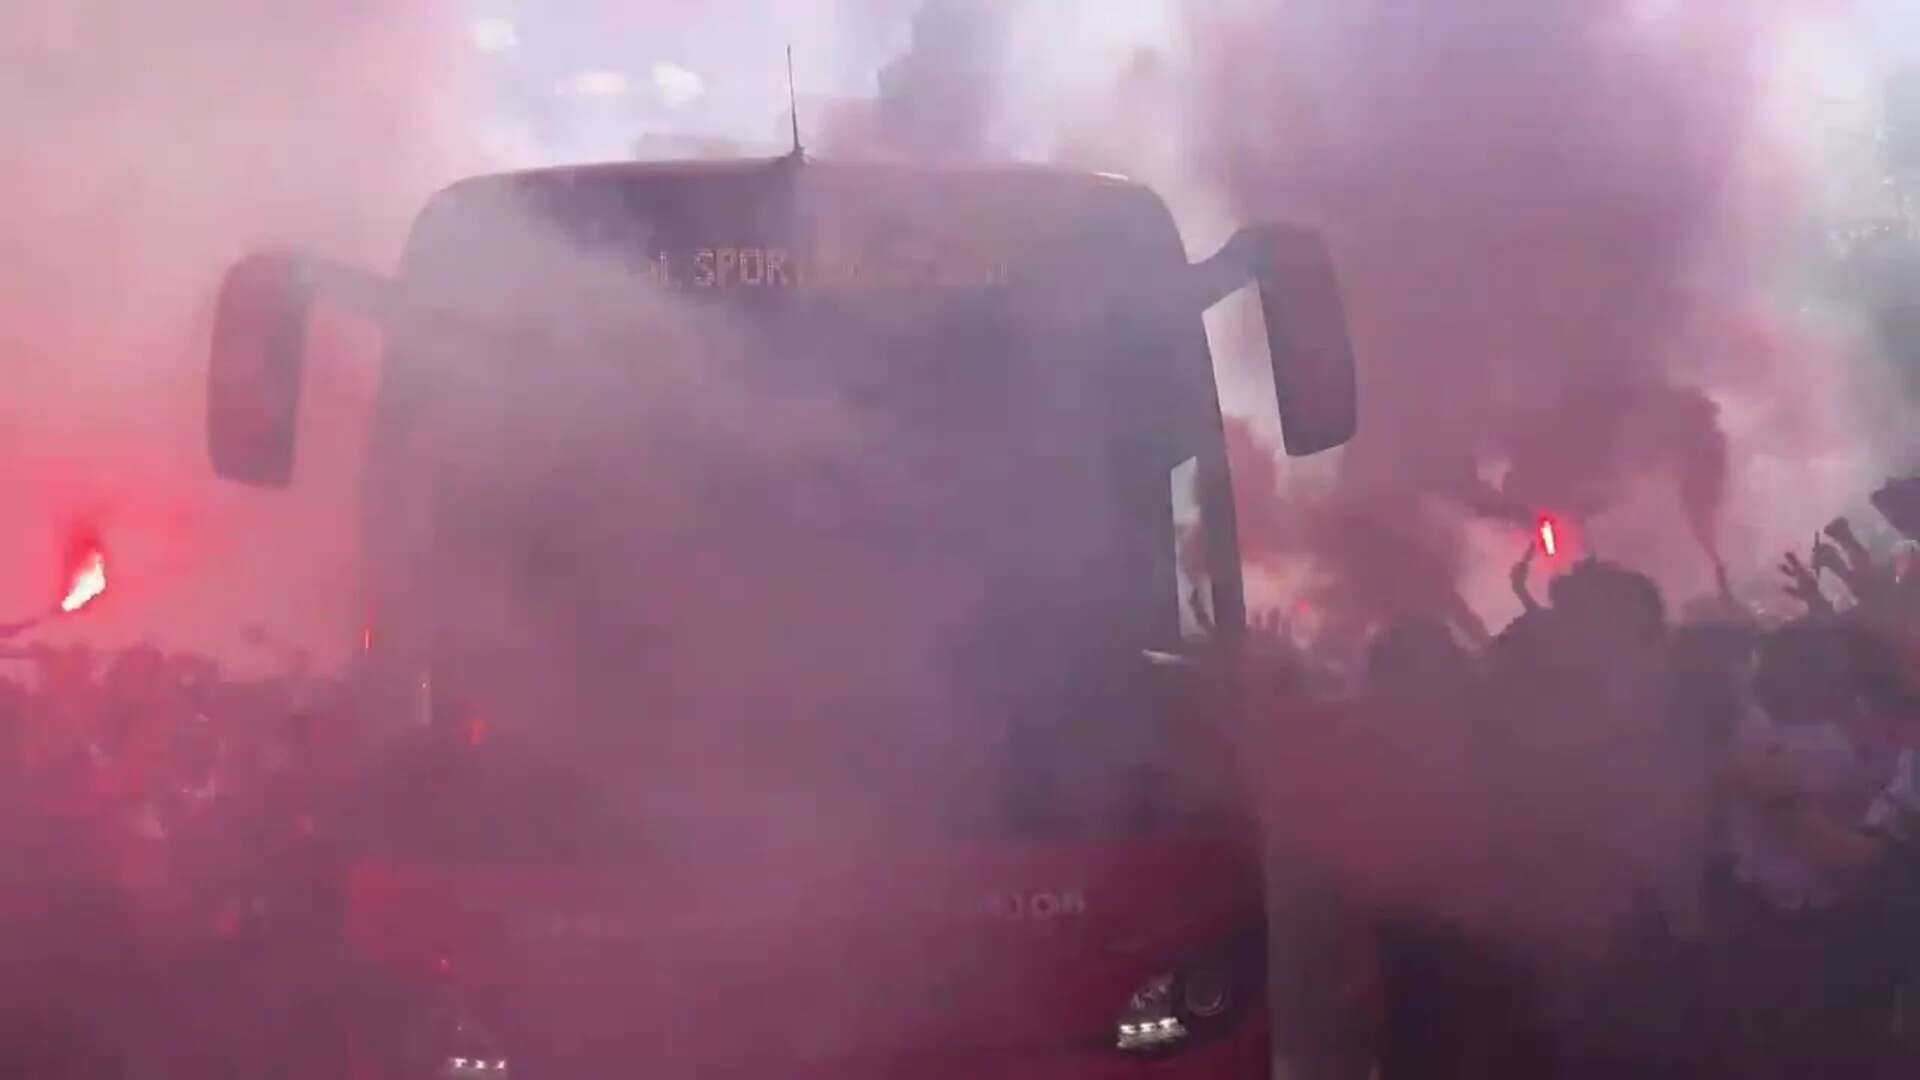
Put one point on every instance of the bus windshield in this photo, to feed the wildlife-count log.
(889, 554)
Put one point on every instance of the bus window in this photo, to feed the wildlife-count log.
(1193, 582)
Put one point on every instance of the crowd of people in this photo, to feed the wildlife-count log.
(1604, 843)
(153, 807)
(1610, 843)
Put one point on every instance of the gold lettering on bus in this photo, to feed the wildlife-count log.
(660, 272)
(753, 267)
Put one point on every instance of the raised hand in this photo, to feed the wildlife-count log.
(1803, 585)
(1827, 559)
(1841, 531)
(1517, 578)
(1866, 578)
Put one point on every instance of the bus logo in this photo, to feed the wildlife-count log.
(1037, 906)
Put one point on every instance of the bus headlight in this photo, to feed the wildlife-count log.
(474, 1066)
(1151, 1019)
(1198, 998)
(460, 1048)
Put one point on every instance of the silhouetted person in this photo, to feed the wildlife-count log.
(1416, 660)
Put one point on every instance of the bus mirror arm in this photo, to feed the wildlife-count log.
(383, 300)
(362, 291)
(1238, 263)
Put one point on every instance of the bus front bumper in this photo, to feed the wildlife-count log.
(1242, 1055)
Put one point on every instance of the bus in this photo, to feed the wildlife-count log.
(801, 600)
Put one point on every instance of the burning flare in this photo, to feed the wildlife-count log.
(89, 581)
(1549, 538)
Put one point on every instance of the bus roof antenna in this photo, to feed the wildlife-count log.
(793, 109)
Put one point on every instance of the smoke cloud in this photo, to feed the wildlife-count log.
(150, 146)
(1553, 222)
(1550, 225)
(1523, 199)
(1576, 244)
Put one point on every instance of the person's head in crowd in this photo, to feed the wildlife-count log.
(1605, 611)
(196, 673)
(136, 668)
(194, 750)
(1275, 669)
(1719, 647)
(14, 703)
(1416, 658)
(1885, 707)
(1898, 501)
(64, 668)
(1808, 674)
(133, 687)
(1522, 642)
(1712, 664)
(1716, 610)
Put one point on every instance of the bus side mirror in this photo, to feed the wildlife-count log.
(254, 368)
(1307, 342)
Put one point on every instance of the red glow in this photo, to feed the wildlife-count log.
(89, 580)
(366, 638)
(1549, 538)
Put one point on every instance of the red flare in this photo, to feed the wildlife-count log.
(89, 581)
(1549, 538)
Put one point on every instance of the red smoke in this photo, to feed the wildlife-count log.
(156, 143)
(1519, 195)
